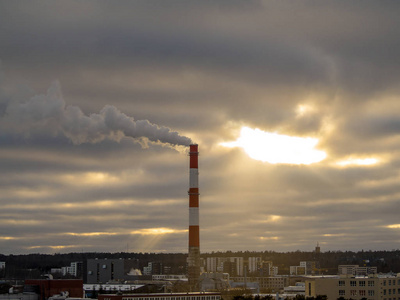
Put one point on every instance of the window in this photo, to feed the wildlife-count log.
(384, 292)
(362, 292)
(361, 283)
(390, 291)
(342, 293)
(371, 293)
(371, 283)
(389, 282)
(384, 283)
(353, 293)
(342, 283)
(394, 291)
(353, 283)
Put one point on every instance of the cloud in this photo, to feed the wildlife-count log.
(75, 159)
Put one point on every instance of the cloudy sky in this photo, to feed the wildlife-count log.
(294, 104)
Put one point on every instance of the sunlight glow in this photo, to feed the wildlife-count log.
(90, 233)
(358, 162)
(269, 238)
(157, 231)
(269, 219)
(274, 218)
(93, 178)
(276, 148)
(303, 109)
(58, 247)
(7, 238)
(394, 226)
(333, 234)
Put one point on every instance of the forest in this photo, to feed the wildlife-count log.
(35, 265)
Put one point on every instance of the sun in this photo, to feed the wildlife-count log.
(276, 148)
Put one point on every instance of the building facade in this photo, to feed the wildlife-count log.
(356, 270)
(271, 283)
(109, 270)
(171, 296)
(372, 287)
(48, 287)
(306, 268)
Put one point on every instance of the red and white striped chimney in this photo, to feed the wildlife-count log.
(194, 228)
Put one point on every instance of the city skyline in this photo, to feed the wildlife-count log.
(294, 105)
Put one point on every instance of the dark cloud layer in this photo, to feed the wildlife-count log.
(74, 177)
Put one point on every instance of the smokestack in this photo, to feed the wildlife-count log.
(194, 228)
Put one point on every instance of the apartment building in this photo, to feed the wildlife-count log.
(306, 268)
(232, 265)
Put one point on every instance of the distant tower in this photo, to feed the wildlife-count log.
(317, 249)
(194, 228)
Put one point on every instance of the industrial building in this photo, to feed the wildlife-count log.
(109, 270)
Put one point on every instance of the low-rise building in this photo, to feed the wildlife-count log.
(169, 296)
(372, 287)
(306, 268)
(298, 289)
(356, 270)
(46, 288)
(271, 283)
(214, 281)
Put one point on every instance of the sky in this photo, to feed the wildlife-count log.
(294, 105)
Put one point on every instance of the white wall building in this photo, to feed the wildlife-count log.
(254, 264)
(212, 264)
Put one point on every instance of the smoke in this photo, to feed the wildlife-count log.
(49, 115)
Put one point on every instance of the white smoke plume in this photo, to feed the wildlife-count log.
(48, 114)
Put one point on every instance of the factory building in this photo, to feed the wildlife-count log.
(109, 270)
